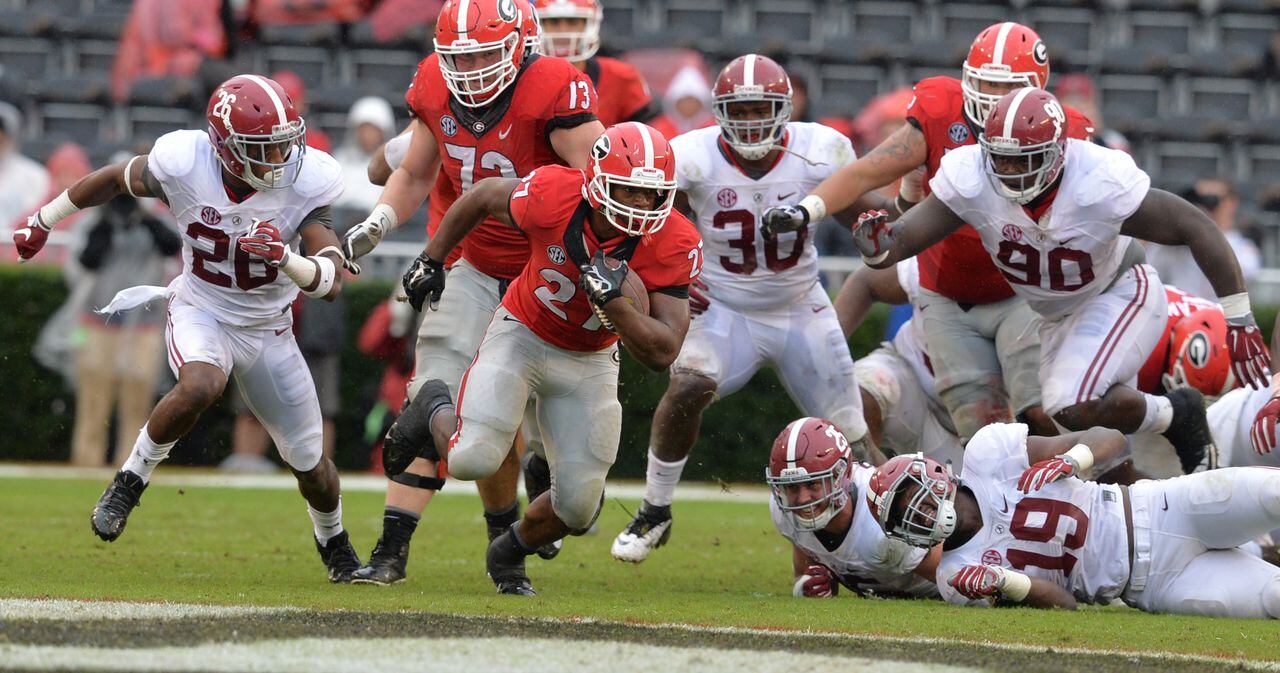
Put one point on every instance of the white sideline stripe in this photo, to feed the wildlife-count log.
(66, 609)
(463, 655)
(360, 482)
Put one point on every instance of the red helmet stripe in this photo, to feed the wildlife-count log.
(796, 427)
(463, 6)
(1011, 114)
(275, 98)
(749, 71)
(998, 57)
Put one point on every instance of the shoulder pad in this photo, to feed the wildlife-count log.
(963, 168)
(175, 153)
(825, 146)
(693, 152)
(936, 98)
(320, 177)
(1110, 176)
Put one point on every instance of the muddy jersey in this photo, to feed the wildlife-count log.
(958, 267)
(218, 277)
(1071, 532)
(745, 270)
(508, 138)
(866, 560)
(548, 207)
(624, 95)
(1075, 250)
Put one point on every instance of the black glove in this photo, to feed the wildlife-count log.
(601, 283)
(424, 280)
(779, 219)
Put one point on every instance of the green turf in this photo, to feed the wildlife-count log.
(725, 566)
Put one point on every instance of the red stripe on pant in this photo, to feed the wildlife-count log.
(173, 344)
(1112, 339)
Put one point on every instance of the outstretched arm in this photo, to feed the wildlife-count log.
(861, 290)
(883, 244)
(488, 198)
(899, 154)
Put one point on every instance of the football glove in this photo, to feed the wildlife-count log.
(698, 301)
(1250, 361)
(1046, 472)
(424, 281)
(779, 219)
(978, 581)
(818, 581)
(1263, 433)
(263, 241)
(602, 283)
(873, 235)
(30, 239)
(361, 238)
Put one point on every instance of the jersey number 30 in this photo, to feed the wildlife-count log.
(746, 243)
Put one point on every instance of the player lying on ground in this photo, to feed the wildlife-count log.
(244, 192)
(1056, 216)
(1020, 528)
(557, 331)
(761, 304)
(819, 504)
(984, 348)
(483, 106)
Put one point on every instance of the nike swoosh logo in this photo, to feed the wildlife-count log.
(511, 318)
(817, 309)
(1166, 504)
(1006, 505)
(502, 135)
(786, 196)
(282, 330)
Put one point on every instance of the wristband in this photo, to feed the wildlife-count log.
(384, 217)
(56, 210)
(797, 589)
(1082, 454)
(815, 206)
(128, 184)
(1235, 305)
(1016, 586)
(396, 149)
(872, 261)
(902, 205)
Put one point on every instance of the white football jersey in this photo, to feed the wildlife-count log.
(1075, 250)
(741, 268)
(867, 558)
(1072, 533)
(1231, 422)
(235, 287)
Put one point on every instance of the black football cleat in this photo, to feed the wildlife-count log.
(339, 557)
(113, 508)
(386, 564)
(1189, 431)
(505, 564)
(537, 480)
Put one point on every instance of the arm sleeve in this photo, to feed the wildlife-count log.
(322, 216)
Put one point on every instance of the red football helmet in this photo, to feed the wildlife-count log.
(256, 129)
(576, 45)
(808, 471)
(632, 154)
(531, 29)
(481, 45)
(1198, 356)
(923, 516)
(1025, 143)
(748, 79)
(1004, 53)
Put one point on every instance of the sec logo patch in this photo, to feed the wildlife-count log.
(726, 198)
(991, 557)
(449, 126)
(1011, 232)
(210, 215)
(958, 132)
(556, 254)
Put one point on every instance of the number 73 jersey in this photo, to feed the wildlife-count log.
(1071, 532)
(743, 269)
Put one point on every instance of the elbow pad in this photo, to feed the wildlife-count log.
(306, 270)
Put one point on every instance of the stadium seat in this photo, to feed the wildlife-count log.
(844, 89)
(89, 88)
(105, 25)
(82, 123)
(29, 58)
(152, 122)
(1187, 162)
(1263, 161)
(339, 98)
(1232, 61)
(1073, 33)
(18, 23)
(1201, 128)
(1169, 31)
(890, 23)
(709, 18)
(384, 70)
(1226, 98)
(1138, 95)
(962, 21)
(91, 56)
(1250, 31)
(792, 23)
(306, 35)
(168, 92)
(417, 39)
(1138, 60)
(310, 63)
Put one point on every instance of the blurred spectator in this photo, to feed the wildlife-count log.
(297, 90)
(386, 335)
(369, 124)
(686, 105)
(118, 362)
(163, 37)
(278, 12)
(1270, 67)
(393, 18)
(23, 181)
(1077, 90)
(880, 118)
(1174, 263)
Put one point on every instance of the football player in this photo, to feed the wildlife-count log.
(979, 333)
(1058, 217)
(571, 30)
(557, 330)
(1020, 527)
(819, 504)
(245, 192)
(482, 107)
(763, 305)
(1244, 421)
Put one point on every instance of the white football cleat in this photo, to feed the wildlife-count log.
(650, 529)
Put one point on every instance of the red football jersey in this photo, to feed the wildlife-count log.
(959, 267)
(509, 138)
(551, 211)
(624, 95)
(1181, 305)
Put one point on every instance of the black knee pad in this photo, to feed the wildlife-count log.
(410, 436)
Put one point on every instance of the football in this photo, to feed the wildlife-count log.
(632, 287)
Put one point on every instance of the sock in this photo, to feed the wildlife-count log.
(1159, 414)
(399, 524)
(519, 541)
(660, 480)
(146, 455)
(326, 524)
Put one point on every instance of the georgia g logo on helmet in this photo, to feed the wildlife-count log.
(1198, 350)
(507, 10)
(601, 149)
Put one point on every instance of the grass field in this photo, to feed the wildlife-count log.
(723, 582)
